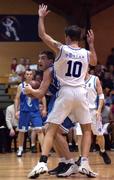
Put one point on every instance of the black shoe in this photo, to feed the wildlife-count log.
(112, 147)
(68, 170)
(58, 169)
(78, 162)
(33, 149)
(93, 148)
(71, 148)
(105, 157)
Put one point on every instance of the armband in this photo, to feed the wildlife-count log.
(101, 96)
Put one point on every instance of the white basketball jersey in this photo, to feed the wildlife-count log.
(91, 91)
(71, 66)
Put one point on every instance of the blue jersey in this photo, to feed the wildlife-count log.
(54, 86)
(27, 104)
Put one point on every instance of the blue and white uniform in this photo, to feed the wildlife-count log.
(29, 111)
(92, 95)
(93, 101)
(71, 67)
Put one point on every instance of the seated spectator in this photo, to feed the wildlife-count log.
(105, 114)
(105, 122)
(108, 99)
(14, 79)
(107, 81)
(14, 65)
(12, 123)
(110, 59)
(20, 69)
(27, 63)
(111, 126)
(3, 133)
(100, 71)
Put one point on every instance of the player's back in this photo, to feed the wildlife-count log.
(71, 65)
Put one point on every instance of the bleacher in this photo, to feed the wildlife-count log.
(6, 91)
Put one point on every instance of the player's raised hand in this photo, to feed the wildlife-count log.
(43, 10)
(90, 37)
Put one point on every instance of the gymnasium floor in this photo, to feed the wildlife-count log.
(13, 168)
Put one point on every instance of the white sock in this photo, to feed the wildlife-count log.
(62, 160)
(102, 150)
(20, 148)
(84, 159)
(32, 145)
(71, 161)
(69, 144)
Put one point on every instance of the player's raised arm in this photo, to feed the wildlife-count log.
(90, 40)
(48, 40)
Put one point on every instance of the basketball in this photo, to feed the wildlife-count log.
(35, 84)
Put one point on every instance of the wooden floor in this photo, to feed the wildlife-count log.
(13, 168)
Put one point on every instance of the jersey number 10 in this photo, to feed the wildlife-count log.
(74, 69)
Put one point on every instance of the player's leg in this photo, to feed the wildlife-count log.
(37, 126)
(97, 130)
(62, 107)
(101, 142)
(66, 165)
(82, 115)
(22, 128)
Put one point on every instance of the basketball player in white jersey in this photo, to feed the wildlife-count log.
(96, 101)
(71, 67)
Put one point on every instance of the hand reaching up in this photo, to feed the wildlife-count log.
(42, 11)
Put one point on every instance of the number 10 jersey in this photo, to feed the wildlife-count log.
(71, 65)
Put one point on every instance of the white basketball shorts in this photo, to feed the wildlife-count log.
(71, 102)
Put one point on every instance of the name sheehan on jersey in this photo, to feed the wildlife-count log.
(73, 56)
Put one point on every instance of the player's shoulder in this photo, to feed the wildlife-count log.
(10, 107)
(21, 85)
(95, 76)
(48, 72)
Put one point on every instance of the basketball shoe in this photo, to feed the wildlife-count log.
(84, 168)
(40, 168)
(68, 170)
(58, 169)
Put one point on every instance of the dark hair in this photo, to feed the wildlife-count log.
(74, 32)
(50, 55)
(28, 69)
(112, 50)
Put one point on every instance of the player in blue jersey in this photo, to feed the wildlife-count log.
(29, 112)
(70, 67)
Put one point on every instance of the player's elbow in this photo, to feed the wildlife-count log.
(42, 35)
(40, 95)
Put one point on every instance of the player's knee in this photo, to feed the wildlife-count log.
(86, 128)
(52, 129)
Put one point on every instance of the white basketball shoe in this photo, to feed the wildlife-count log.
(40, 168)
(85, 168)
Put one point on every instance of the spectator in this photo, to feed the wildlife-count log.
(108, 99)
(14, 65)
(111, 126)
(27, 63)
(110, 59)
(20, 69)
(11, 122)
(107, 81)
(3, 133)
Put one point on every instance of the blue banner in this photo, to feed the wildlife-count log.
(19, 28)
